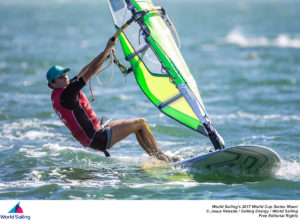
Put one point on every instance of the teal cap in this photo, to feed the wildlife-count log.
(55, 72)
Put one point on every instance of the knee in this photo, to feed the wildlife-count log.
(141, 122)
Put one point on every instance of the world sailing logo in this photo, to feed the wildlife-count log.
(16, 209)
(16, 213)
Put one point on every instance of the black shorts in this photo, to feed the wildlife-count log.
(102, 139)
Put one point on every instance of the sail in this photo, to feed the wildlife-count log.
(159, 68)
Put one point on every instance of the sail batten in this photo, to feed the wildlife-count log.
(169, 101)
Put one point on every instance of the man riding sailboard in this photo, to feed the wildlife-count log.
(75, 111)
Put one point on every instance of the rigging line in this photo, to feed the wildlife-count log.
(173, 30)
(121, 66)
(90, 83)
(165, 69)
(163, 66)
(112, 72)
(99, 82)
(167, 21)
(172, 71)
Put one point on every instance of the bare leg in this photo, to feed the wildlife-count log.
(122, 128)
(146, 140)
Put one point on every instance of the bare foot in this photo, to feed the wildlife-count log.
(168, 159)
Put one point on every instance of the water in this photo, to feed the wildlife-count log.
(245, 57)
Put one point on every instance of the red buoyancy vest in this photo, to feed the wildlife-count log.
(69, 119)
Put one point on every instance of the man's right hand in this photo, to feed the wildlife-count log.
(110, 44)
(89, 70)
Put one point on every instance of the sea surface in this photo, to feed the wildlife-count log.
(244, 55)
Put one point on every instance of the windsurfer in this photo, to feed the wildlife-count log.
(75, 111)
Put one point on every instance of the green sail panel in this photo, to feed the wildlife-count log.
(149, 55)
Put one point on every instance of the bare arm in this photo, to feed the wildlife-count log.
(89, 70)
